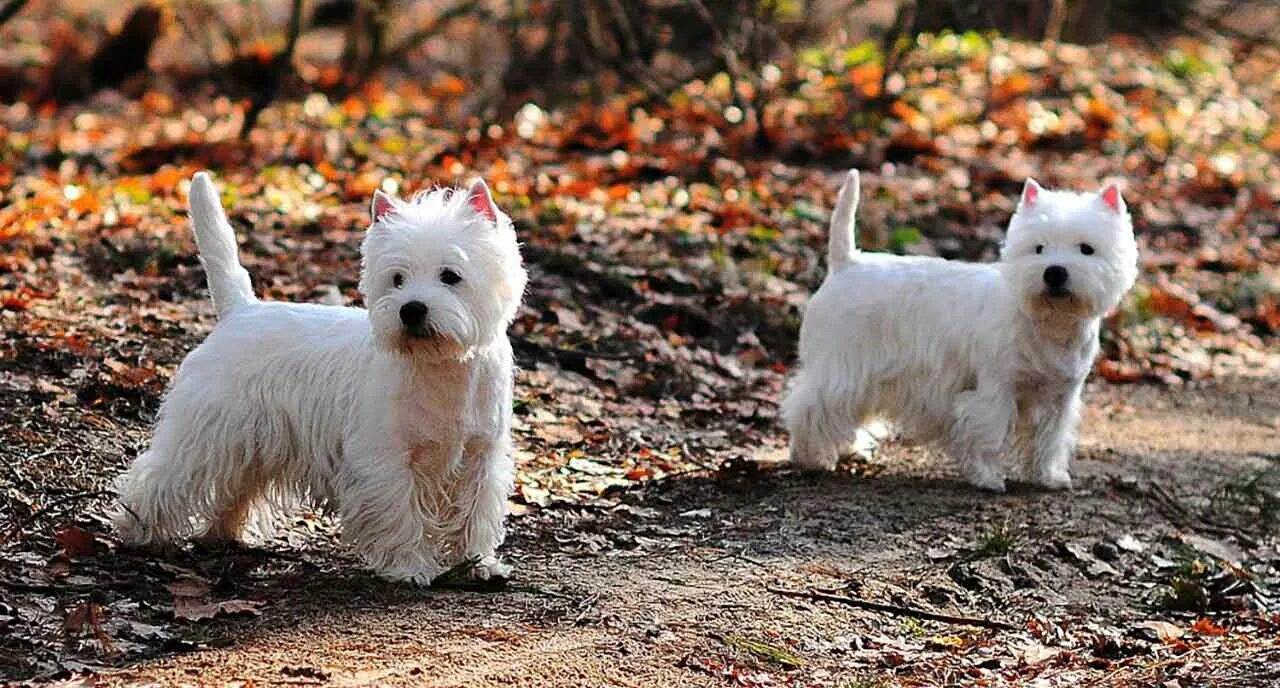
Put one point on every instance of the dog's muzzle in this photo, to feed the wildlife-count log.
(1055, 281)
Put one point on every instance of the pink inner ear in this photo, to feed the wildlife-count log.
(1111, 196)
(482, 203)
(381, 206)
(1029, 194)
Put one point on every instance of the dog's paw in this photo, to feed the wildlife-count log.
(1054, 480)
(491, 569)
(131, 531)
(985, 478)
(814, 462)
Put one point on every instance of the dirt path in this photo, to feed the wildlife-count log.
(668, 584)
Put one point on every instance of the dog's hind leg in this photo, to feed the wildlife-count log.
(230, 509)
(165, 495)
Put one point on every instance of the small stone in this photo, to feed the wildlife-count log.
(1106, 551)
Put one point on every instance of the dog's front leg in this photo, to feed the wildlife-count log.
(980, 428)
(486, 525)
(489, 484)
(385, 517)
(1055, 439)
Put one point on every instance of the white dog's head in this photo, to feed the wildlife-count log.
(441, 273)
(1070, 254)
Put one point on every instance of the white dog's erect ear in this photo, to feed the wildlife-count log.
(1030, 192)
(382, 205)
(1112, 198)
(481, 200)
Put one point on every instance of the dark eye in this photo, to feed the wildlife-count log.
(1039, 249)
(1086, 249)
(450, 277)
(397, 280)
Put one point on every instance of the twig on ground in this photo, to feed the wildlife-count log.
(894, 609)
(47, 588)
(740, 555)
(1185, 518)
(585, 605)
(17, 477)
(51, 505)
(461, 577)
(560, 351)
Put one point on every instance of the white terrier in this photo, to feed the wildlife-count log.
(988, 359)
(398, 417)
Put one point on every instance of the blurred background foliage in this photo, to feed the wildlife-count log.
(505, 53)
(717, 122)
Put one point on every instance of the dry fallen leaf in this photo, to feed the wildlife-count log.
(76, 542)
(193, 609)
(1205, 626)
(1163, 630)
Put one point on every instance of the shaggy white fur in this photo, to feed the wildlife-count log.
(398, 417)
(987, 359)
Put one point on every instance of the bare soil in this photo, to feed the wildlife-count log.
(674, 582)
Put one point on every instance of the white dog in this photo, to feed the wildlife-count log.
(988, 359)
(398, 417)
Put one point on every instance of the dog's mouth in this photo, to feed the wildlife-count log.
(428, 340)
(425, 331)
(1059, 302)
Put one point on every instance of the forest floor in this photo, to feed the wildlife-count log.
(1131, 579)
(657, 534)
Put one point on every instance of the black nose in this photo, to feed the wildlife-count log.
(1055, 276)
(413, 313)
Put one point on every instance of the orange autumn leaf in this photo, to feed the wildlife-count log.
(1119, 372)
(909, 115)
(449, 86)
(354, 108)
(1205, 626)
(165, 179)
(866, 79)
(327, 170)
(261, 52)
(363, 185)
(1018, 84)
(1272, 141)
(86, 203)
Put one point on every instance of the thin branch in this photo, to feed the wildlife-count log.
(417, 38)
(1057, 18)
(281, 66)
(903, 23)
(10, 9)
(295, 30)
(894, 609)
(728, 56)
(60, 501)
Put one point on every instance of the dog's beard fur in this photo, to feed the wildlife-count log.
(428, 343)
(401, 426)
(989, 360)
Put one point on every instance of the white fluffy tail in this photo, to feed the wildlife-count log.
(841, 245)
(228, 281)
